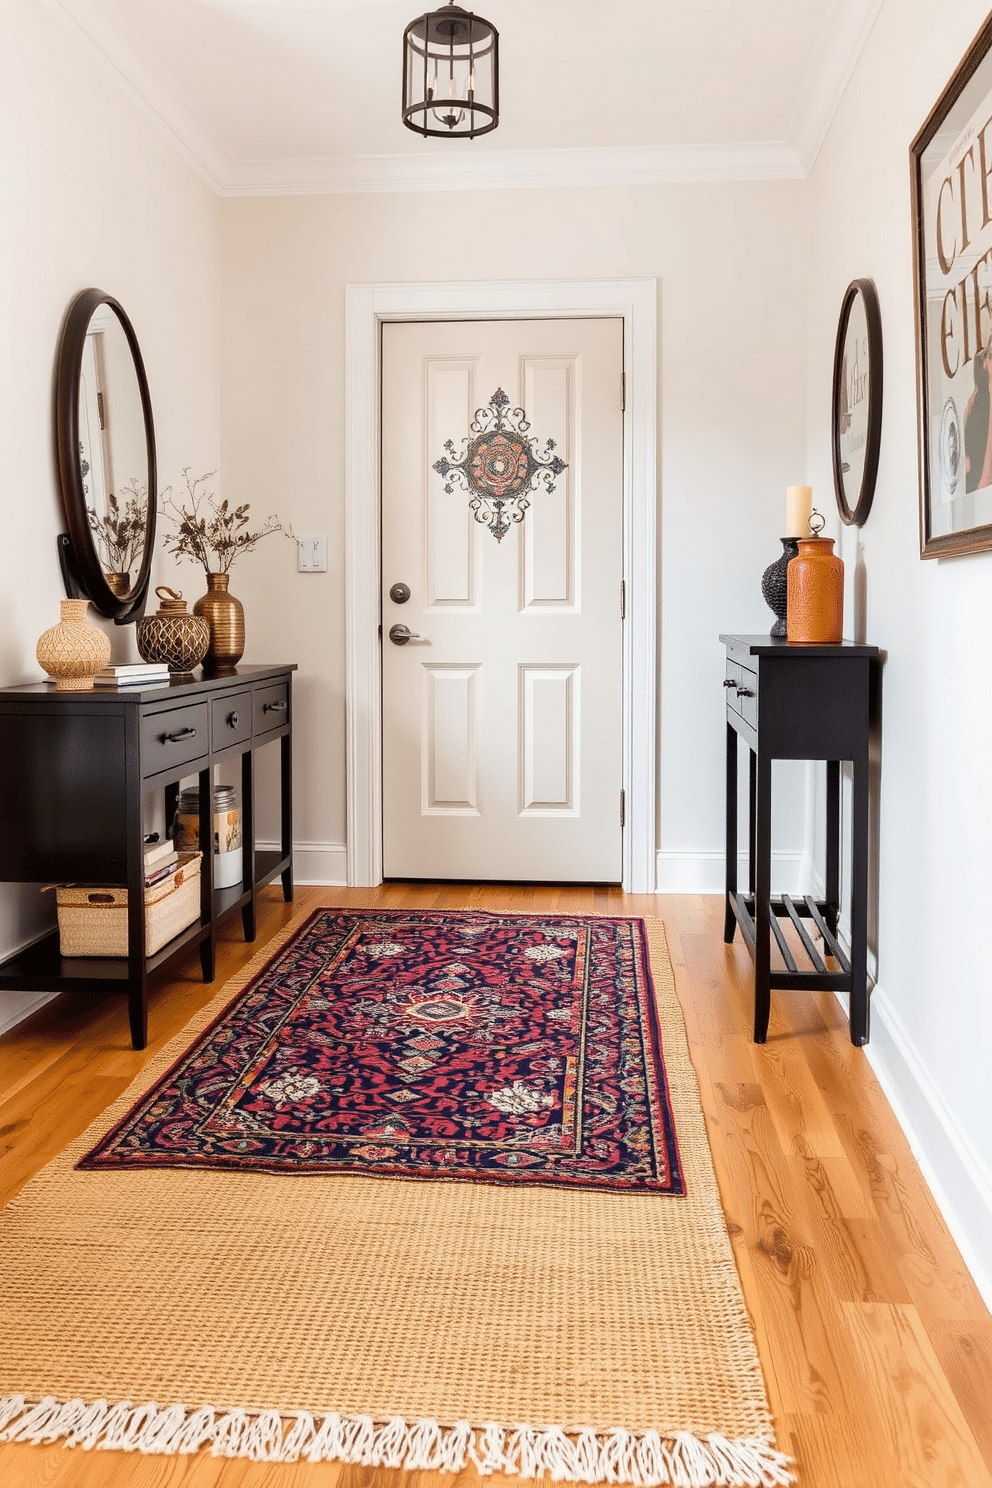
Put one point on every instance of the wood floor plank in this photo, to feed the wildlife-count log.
(876, 1347)
(917, 1412)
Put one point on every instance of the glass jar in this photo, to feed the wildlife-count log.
(228, 867)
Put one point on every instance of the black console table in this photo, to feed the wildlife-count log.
(807, 702)
(74, 770)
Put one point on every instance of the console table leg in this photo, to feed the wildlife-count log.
(752, 792)
(833, 844)
(248, 924)
(859, 903)
(286, 782)
(208, 944)
(137, 1010)
(730, 919)
(762, 897)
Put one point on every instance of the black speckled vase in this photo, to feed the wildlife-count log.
(774, 585)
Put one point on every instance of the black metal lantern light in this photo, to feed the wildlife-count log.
(450, 74)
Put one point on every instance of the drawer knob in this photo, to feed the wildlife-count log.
(186, 733)
(273, 707)
(232, 719)
(744, 692)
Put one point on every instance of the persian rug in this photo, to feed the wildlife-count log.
(575, 1326)
(498, 1048)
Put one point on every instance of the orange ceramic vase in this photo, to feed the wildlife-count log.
(816, 593)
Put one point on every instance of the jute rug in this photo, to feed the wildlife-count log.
(593, 1335)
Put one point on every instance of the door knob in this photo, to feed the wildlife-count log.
(399, 593)
(400, 634)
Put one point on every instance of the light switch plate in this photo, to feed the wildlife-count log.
(311, 554)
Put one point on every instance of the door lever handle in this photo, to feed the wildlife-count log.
(400, 634)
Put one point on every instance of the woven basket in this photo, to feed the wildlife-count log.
(93, 921)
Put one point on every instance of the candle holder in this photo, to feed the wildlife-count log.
(775, 586)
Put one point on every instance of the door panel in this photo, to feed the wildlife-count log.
(502, 750)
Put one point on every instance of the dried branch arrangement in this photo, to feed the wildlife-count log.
(210, 532)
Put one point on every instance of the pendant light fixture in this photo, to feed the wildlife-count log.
(451, 74)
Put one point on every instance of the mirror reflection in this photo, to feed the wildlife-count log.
(113, 459)
(105, 439)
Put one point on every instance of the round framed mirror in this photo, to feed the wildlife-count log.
(105, 440)
(857, 402)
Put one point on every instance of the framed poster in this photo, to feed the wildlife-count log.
(951, 176)
(856, 418)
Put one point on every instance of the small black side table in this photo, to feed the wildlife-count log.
(790, 701)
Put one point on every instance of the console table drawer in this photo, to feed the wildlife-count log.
(230, 719)
(174, 737)
(270, 707)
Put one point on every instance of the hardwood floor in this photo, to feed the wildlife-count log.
(876, 1346)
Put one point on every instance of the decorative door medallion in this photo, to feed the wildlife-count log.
(500, 465)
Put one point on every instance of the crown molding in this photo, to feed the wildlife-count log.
(843, 38)
(155, 96)
(505, 170)
(466, 167)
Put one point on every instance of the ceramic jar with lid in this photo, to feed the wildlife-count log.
(173, 635)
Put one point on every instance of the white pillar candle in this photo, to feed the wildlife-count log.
(798, 509)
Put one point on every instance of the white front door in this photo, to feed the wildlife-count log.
(502, 748)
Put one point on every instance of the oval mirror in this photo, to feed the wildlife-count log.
(105, 440)
(856, 414)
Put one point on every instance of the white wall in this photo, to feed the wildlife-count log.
(731, 265)
(90, 195)
(931, 1012)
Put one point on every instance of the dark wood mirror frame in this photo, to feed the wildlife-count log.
(82, 570)
(857, 514)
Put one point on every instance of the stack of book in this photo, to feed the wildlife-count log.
(160, 860)
(132, 674)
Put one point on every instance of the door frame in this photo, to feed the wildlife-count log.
(367, 308)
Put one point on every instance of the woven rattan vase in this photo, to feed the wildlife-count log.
(173, 635)
(226, 618)
(73, 651)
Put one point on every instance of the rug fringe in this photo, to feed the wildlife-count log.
(644, 1459)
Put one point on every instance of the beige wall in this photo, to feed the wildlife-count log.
(931, 1013)
(90, 195)
(731, 263)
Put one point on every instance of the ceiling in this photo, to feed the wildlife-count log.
(268, 96)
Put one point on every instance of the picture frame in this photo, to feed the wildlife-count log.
(952, 268)
(856, 408)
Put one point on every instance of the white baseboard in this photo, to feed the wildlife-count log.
(955, 1173)
(703, 872)
(16, 1006)
(963, 1189)
(316, 863)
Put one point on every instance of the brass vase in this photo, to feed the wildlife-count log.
(173, 636)
(816, 593)
(73, 651)
(226, 618)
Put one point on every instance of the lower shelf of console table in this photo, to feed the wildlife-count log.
(75, 770)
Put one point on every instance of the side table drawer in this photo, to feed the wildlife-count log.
(173, 737)
(742, 692)
(230, 719)
(270, 707)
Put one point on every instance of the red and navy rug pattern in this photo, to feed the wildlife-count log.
(497, 1048)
